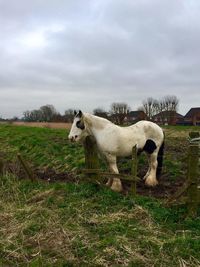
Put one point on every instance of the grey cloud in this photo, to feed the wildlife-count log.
(93, 53)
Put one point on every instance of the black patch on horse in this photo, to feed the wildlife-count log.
(80, 125)
(160, 160)
(149, 146)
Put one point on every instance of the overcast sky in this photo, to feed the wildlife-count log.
(89, 53)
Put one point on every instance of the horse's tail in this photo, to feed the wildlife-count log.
(160, 159)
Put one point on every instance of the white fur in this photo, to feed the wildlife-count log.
(114, 141)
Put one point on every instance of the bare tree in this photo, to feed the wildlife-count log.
(150, 107)
(170, 106)
(33, 115)
(171, 102)
(117, 108)
(45, 113)
(26, 115)
(165, 107)
(48, 112)
(119, 112)
(100, 112)
(69, 115)
(161, 110)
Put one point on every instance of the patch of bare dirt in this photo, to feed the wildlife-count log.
(165, 188)
(51, 176)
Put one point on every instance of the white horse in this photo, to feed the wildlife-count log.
(114, 141)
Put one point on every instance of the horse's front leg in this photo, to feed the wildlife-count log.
(114, 183)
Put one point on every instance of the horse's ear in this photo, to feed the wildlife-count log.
(75, 113)
(80, 114)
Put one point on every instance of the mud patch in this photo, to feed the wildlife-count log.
(51, 175)
(166, 187)
(163, 190)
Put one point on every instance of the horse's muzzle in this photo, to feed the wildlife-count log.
(73, 138)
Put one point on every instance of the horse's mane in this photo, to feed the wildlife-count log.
(95, 121)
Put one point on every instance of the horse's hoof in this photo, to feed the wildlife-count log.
(145, 177)
(151, 182)
(117, 188)
(107, 184)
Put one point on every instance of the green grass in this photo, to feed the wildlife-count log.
(43, 147)
(83, 225)
(50, 148)
(69, 224)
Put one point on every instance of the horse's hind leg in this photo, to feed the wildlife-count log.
(151, 177)
(149, 167)
(114, 183)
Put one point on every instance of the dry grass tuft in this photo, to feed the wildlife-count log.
(192, 262)
(55, 241)
(137, 213)
(41, 196)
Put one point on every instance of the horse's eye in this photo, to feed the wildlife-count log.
(80, 125)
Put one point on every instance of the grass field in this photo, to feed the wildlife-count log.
(71, 223)
(54, 125)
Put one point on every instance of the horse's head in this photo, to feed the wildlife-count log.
(78, 129)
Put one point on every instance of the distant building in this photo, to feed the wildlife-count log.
(192, 117)
(168, 118)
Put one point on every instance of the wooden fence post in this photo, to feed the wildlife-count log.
(192, 176)
(134, 164)
(26, 167)
(1, 166)
(91, 156)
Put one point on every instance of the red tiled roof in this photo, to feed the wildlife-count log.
(191, 112)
